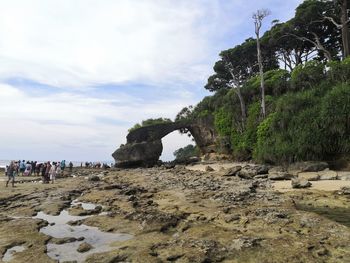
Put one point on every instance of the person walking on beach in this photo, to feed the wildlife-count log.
(53, 172)
(11, 173)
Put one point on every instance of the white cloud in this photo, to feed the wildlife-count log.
(78, 127)
(82, 42)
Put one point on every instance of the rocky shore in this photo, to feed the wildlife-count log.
(201, 213)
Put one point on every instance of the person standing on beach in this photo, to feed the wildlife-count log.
(11, 173)
(28, 169)
(47, 172)
(22, 166)
(59, 171)
(53, 172)
(70, 167)
(43, 172)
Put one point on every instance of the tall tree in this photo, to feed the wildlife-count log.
(258, 17)
(310, 25)
(236, 66)
(341, 9)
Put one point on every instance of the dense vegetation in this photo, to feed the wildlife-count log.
(186, 152)
(306, 82)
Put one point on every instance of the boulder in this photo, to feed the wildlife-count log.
(344, 191)
(345, 176)
(232, 171)
(311, 166)
(314, 166)
(328, 175)
(300, 183)
(279, 173)
(280, 176)
(262, 169)
(247, 172)
(309, 176)
(84, 247)
(94, 178)
(209, 169)
(138, 154)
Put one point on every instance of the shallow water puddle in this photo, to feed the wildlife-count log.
(85, 206)
(9, 253)
(59, 228)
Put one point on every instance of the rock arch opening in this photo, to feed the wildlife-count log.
(144, 145)
(172, 142)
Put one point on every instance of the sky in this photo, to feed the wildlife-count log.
(76, 75)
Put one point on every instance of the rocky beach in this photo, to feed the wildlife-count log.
(212, 212)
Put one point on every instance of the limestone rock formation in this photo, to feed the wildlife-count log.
(144, 145)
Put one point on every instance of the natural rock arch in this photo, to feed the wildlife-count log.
(144, 145)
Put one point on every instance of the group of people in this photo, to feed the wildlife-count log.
(47, 170)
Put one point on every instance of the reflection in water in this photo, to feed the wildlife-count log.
(9, 253)
(85, 206)
(59, 228)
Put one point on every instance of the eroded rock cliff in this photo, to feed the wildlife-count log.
(144, 145)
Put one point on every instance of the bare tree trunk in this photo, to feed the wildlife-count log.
(345, 29)
(258, 18)
(242, 103)
(261, 71)
(236, 87)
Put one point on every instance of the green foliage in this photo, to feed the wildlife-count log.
(340, 70)
(149, 122)
(223, 121)
(185, 114)
(277, 82)
(306, 127)
(335, 116)
(307, 75)
(186, 152)
(135, 127)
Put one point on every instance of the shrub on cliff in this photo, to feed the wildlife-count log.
(149, 122)
(306, 127)
(308, 75)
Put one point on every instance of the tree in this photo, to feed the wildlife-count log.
(184, 115)
(289, 50)
(186, 152)
(341, 9)
(307, 36)
(236, 66)
(309, 25)
(258, 17)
